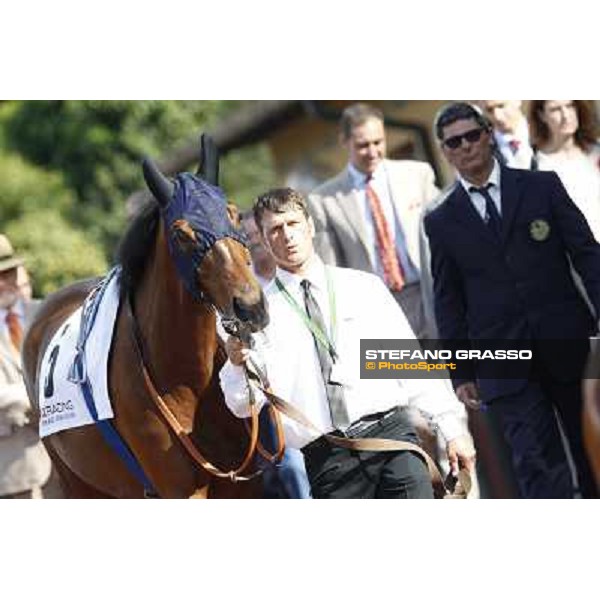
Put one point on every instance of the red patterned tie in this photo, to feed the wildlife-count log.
(14, 329)
(392, 271)
(514, 145)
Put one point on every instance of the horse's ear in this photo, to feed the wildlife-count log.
(208, 167)
(158, 184)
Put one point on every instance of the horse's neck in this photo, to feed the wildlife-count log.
(179, 332)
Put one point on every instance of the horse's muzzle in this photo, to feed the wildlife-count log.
(255, 316)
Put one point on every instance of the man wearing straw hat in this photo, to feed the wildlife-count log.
(24, 464)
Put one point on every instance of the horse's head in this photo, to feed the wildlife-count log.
(206, 242)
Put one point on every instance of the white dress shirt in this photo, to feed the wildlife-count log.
(380, 184)
(521, 159)
(364, 308)
(477, 199)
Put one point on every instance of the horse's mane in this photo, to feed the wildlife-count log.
(136, 246)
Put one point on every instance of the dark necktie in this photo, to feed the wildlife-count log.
(15, 331)
(492, 217)
(335, 393)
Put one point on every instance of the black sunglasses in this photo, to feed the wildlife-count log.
(471, 136)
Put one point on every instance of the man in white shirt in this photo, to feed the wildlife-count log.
(311, 353)
(510, 132)
(288, 478)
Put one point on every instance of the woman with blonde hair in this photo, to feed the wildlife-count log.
(564, 134)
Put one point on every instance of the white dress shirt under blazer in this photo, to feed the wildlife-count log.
(521, 159)
(494, 190)
(380, 184)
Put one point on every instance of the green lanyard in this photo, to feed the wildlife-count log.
(320, 335)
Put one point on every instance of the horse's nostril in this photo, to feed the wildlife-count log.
(242, 310)
(255, 315)
(239, 308)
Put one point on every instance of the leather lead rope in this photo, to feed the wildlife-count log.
(463, 483)
(460, 488)
(182, 435)
(277, 456)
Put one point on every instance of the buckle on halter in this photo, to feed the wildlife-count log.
(233, 326)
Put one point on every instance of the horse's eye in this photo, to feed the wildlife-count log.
(184, 237)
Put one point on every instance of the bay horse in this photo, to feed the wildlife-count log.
(175, 272)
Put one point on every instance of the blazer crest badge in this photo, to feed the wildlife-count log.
(539, 230)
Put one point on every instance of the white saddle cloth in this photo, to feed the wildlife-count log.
(62, 405)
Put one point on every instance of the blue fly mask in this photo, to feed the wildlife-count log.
(202, 207)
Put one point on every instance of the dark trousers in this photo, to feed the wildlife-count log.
(335, 472)
(531, 429)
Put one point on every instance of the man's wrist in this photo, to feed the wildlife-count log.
(450, 427)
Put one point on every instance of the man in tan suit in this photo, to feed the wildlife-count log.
(24, 464)
(373, 200)
(348, 228)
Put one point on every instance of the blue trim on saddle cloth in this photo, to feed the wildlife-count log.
(204, 207)
(78, 372)
(78, 375)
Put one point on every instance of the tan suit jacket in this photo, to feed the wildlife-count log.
(340, 233)
(24, 463)
(341, 237)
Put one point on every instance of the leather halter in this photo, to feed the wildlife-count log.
(175, 426)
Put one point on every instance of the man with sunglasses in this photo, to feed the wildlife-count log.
(502, 246)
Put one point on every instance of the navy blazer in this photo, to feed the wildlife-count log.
(519, 287)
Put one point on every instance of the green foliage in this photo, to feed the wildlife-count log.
(67, 168)
(98, 147)
(98, 144)
(26, 189)
(31, 202)
(247, 173)
(56, 253)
